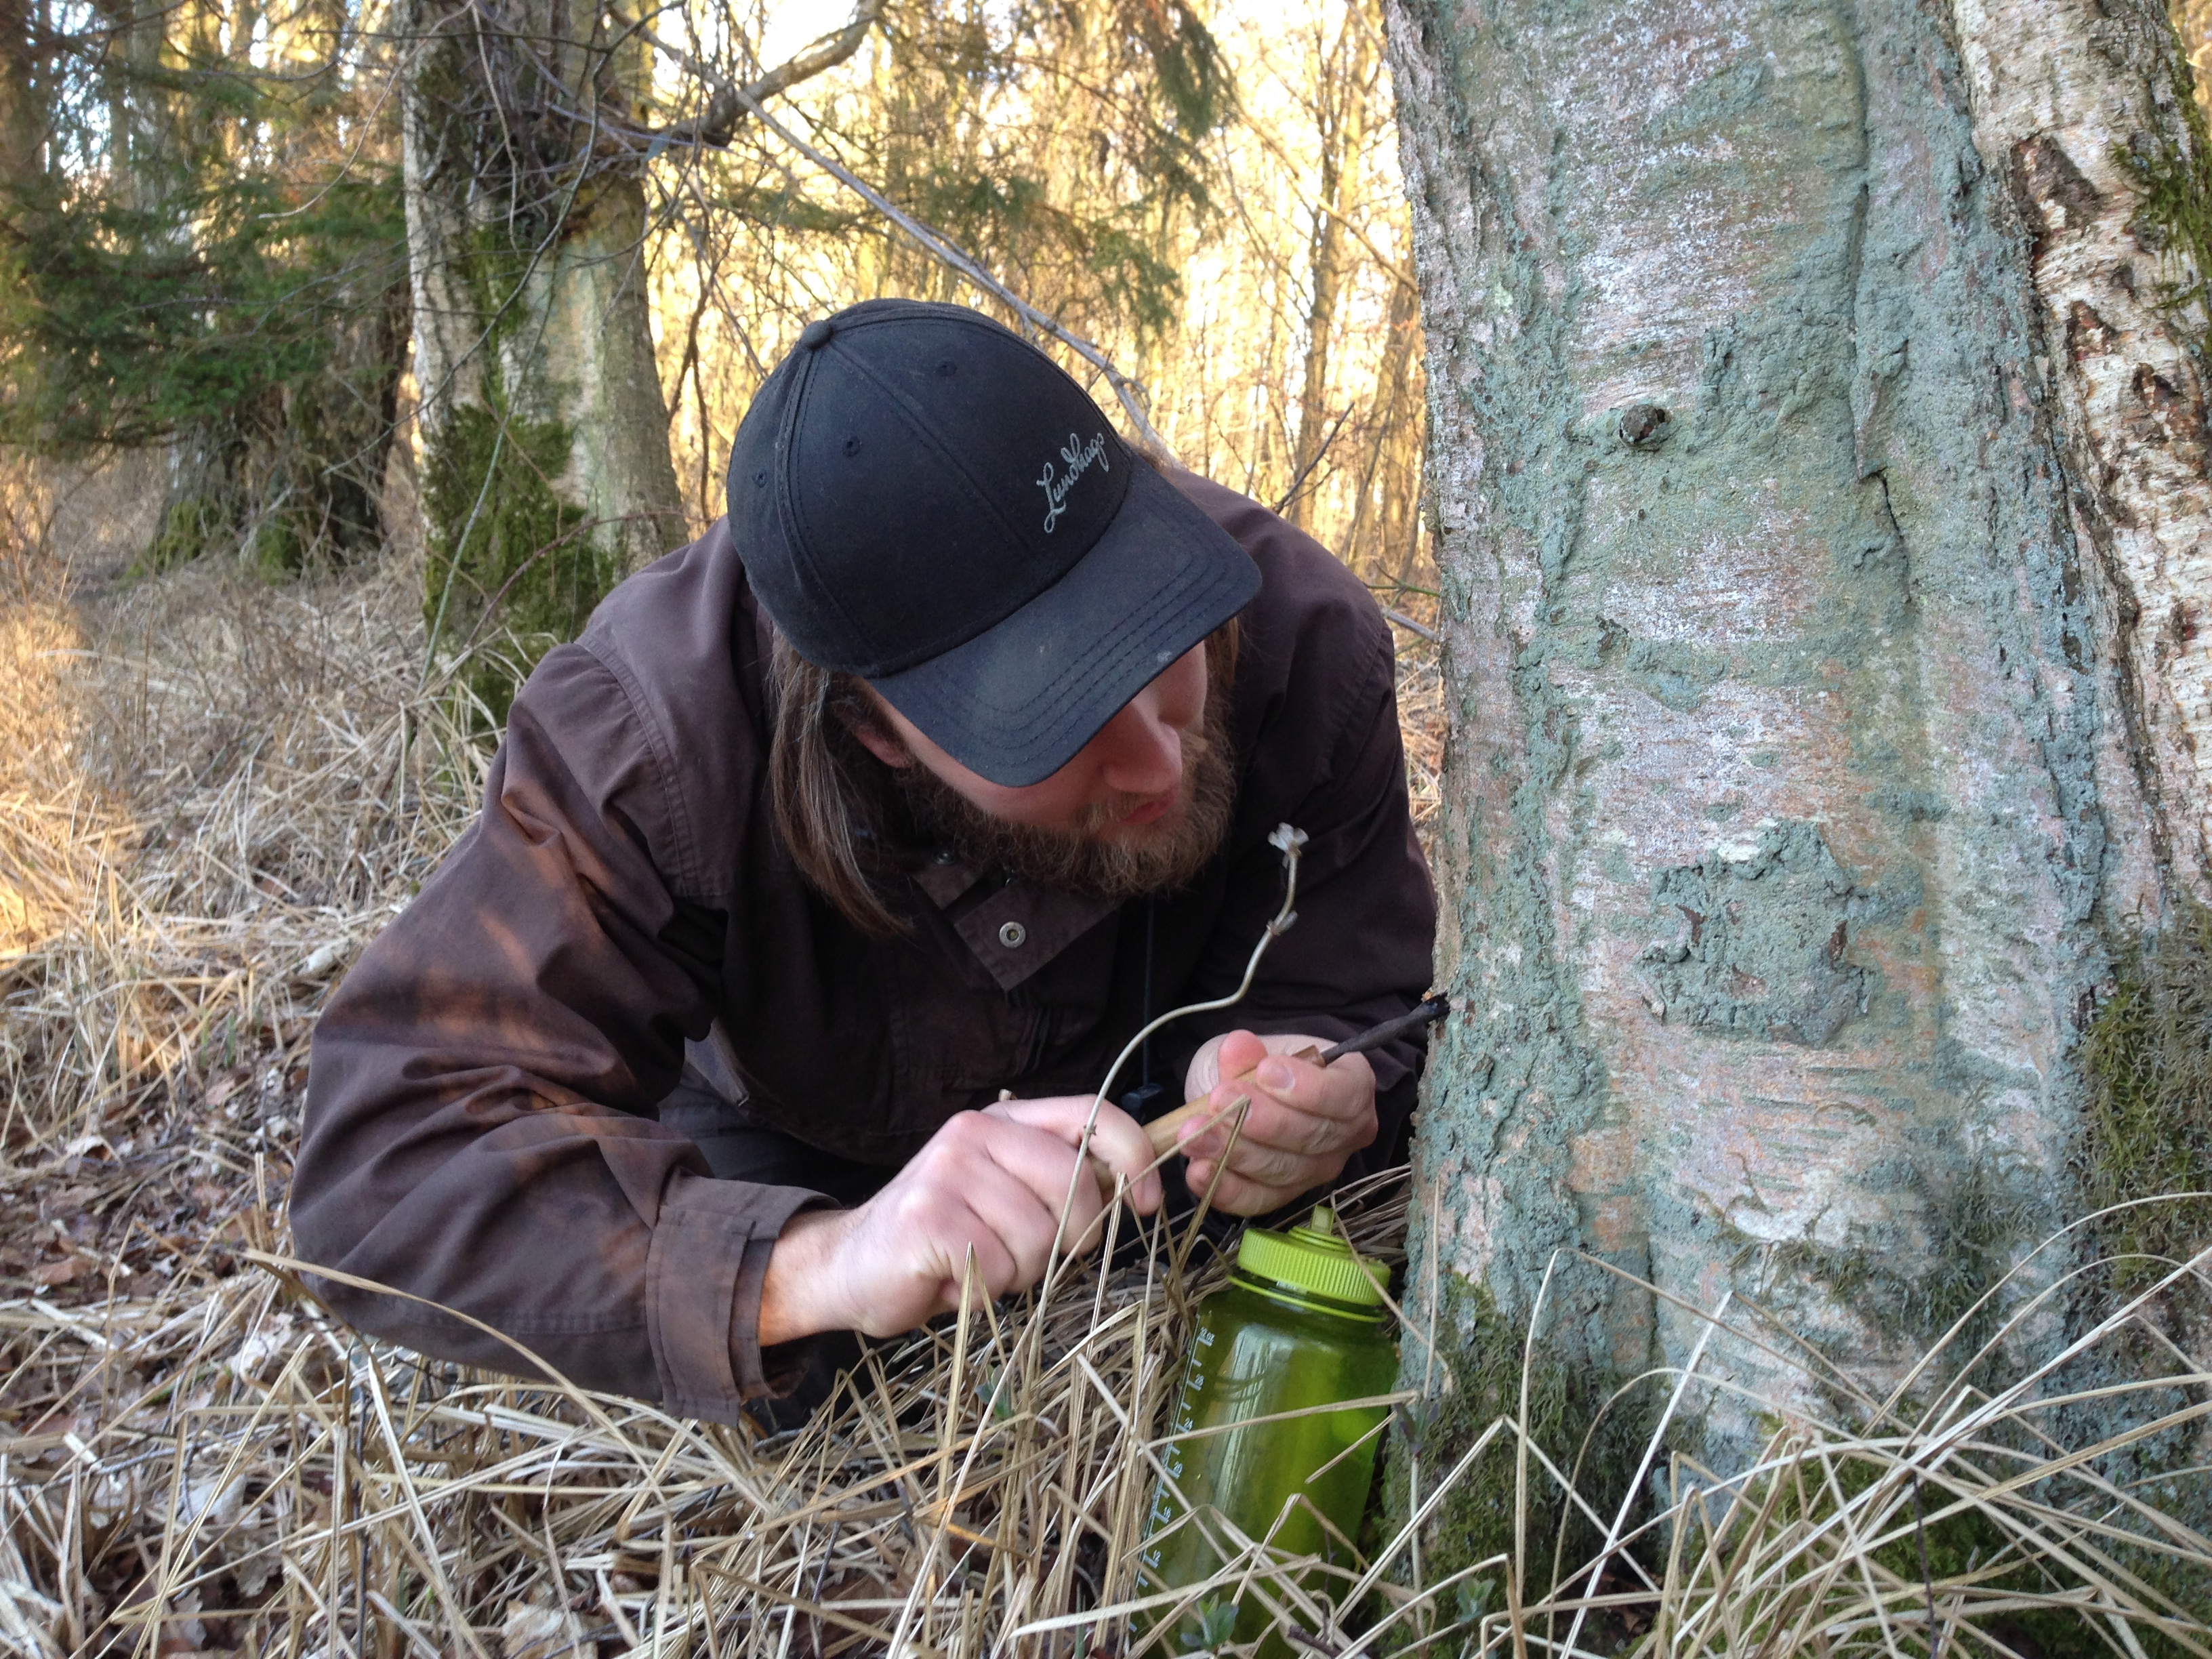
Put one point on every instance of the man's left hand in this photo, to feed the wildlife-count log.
(1304, 1121)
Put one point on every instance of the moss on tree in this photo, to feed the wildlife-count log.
(504, 550)
(2171, 172)
(1567, 1411)
(2148, 1128)
(1976, 1224)
(188, 528)
(2147, 1134)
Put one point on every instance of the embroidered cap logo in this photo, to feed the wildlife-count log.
(1079, 456)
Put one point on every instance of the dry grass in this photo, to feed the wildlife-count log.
(229, 1469)
(215, 791)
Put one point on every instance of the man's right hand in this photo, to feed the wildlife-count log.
(993, 1182)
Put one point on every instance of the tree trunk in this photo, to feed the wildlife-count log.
(144, 145)
(22, 97)
(2086, 114)
(1811, 567)
(546, 463)
(1341, 89)
(1384, 536)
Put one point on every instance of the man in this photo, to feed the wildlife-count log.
(943, 763)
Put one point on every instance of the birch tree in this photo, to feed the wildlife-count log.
(545, 461)
(1819, 453)
(528, 128)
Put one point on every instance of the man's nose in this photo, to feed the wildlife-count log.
(1144, 753)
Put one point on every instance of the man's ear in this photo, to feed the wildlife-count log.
(882, 745)
(864, 721)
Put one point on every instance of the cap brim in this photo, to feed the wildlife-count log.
(1014, 703)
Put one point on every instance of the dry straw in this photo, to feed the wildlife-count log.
(224, 1465)
(213, 800)
(206, 809)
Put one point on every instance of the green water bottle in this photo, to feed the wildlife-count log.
(1300, 1323)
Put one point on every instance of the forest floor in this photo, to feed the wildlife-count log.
(217, 789)
(213, 790)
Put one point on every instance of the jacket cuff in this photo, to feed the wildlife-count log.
(702, 1330)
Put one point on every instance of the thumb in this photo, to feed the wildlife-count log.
(1240, 1052)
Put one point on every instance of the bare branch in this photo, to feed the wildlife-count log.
(1128, 392)
(731, 104)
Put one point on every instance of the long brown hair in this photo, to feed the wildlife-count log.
(829, 793)
(837, 805)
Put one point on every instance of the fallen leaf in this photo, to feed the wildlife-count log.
(186, 1634)
(531, 1633)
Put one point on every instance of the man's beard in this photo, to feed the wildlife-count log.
(1091, 858)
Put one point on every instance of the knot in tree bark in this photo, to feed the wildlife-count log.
(1646, 426)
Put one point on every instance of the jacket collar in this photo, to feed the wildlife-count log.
(1015, 930)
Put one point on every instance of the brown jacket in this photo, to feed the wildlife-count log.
(481, 1129)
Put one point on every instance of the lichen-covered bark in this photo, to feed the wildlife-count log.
(2081, 108)
(1788, 758)
(545, 437)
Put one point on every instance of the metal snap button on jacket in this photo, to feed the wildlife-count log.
(1012, 933)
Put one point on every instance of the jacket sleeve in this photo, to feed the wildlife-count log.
(479, 1131)
(1360, 952)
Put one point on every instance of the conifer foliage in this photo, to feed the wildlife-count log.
(205, 252)
(499, 278)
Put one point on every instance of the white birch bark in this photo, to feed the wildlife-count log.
(448, 330)
(2060, 94)
(1798, 765)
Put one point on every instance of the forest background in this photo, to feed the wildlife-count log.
(263, 610)
(268, 594)
(211, 259)
(269, 582)
(266, 616)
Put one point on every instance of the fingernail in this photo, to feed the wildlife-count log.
(1274, 1074)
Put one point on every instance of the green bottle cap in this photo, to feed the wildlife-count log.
(1314, 1259)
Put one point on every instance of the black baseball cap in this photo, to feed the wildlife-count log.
(924, 499)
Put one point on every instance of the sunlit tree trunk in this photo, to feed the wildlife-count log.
(1820, 477)
(546, 464)
(1343, 88)
(141, 147)
(2084, 112)
(1385, 536)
